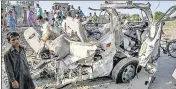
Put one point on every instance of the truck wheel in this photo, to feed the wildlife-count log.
(125, 70)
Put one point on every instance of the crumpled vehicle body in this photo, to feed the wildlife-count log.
(84, 59)
(76, 60)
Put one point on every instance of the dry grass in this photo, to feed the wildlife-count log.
(170, 29)
(170, 25)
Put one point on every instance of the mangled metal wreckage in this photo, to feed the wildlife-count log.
(80, 58)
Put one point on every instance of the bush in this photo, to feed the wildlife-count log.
(158, 15)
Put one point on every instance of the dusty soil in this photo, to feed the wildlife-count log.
(170, 29)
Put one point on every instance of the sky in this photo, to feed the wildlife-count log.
(163, 5)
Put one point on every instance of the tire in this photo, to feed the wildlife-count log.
(121, 67)
(173, 48)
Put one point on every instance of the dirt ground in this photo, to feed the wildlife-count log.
(170, 29)
(164, 79)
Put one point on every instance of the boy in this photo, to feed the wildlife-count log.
(16, 64)
(11, 21)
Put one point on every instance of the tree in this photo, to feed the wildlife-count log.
(128, 17)
(135, 17)
(158, 15)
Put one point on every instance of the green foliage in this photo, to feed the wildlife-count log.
(128, 17)
(158, 15)
(135, 17)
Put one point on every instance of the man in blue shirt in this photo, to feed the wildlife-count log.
(11, 21)
(80, 12)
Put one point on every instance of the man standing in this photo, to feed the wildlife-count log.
(55, 6)
(55, 9)
(39, 10)
(24, 16)
(4, 19)
(90, 18)
(44, 14)
(11, 21)
(80, 12)
(47, 17)
(59, 11)
(72, 10)
(30, 14)
(16, 64)
(52, 16)
(95, 17)
(15, 14)
(57, 23)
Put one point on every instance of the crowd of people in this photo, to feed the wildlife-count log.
(47, 21)
(54, 17)
(10, 18)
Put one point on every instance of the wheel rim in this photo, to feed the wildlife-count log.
(128, 73)
(172, 49)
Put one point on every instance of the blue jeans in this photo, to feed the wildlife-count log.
(12, 26)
